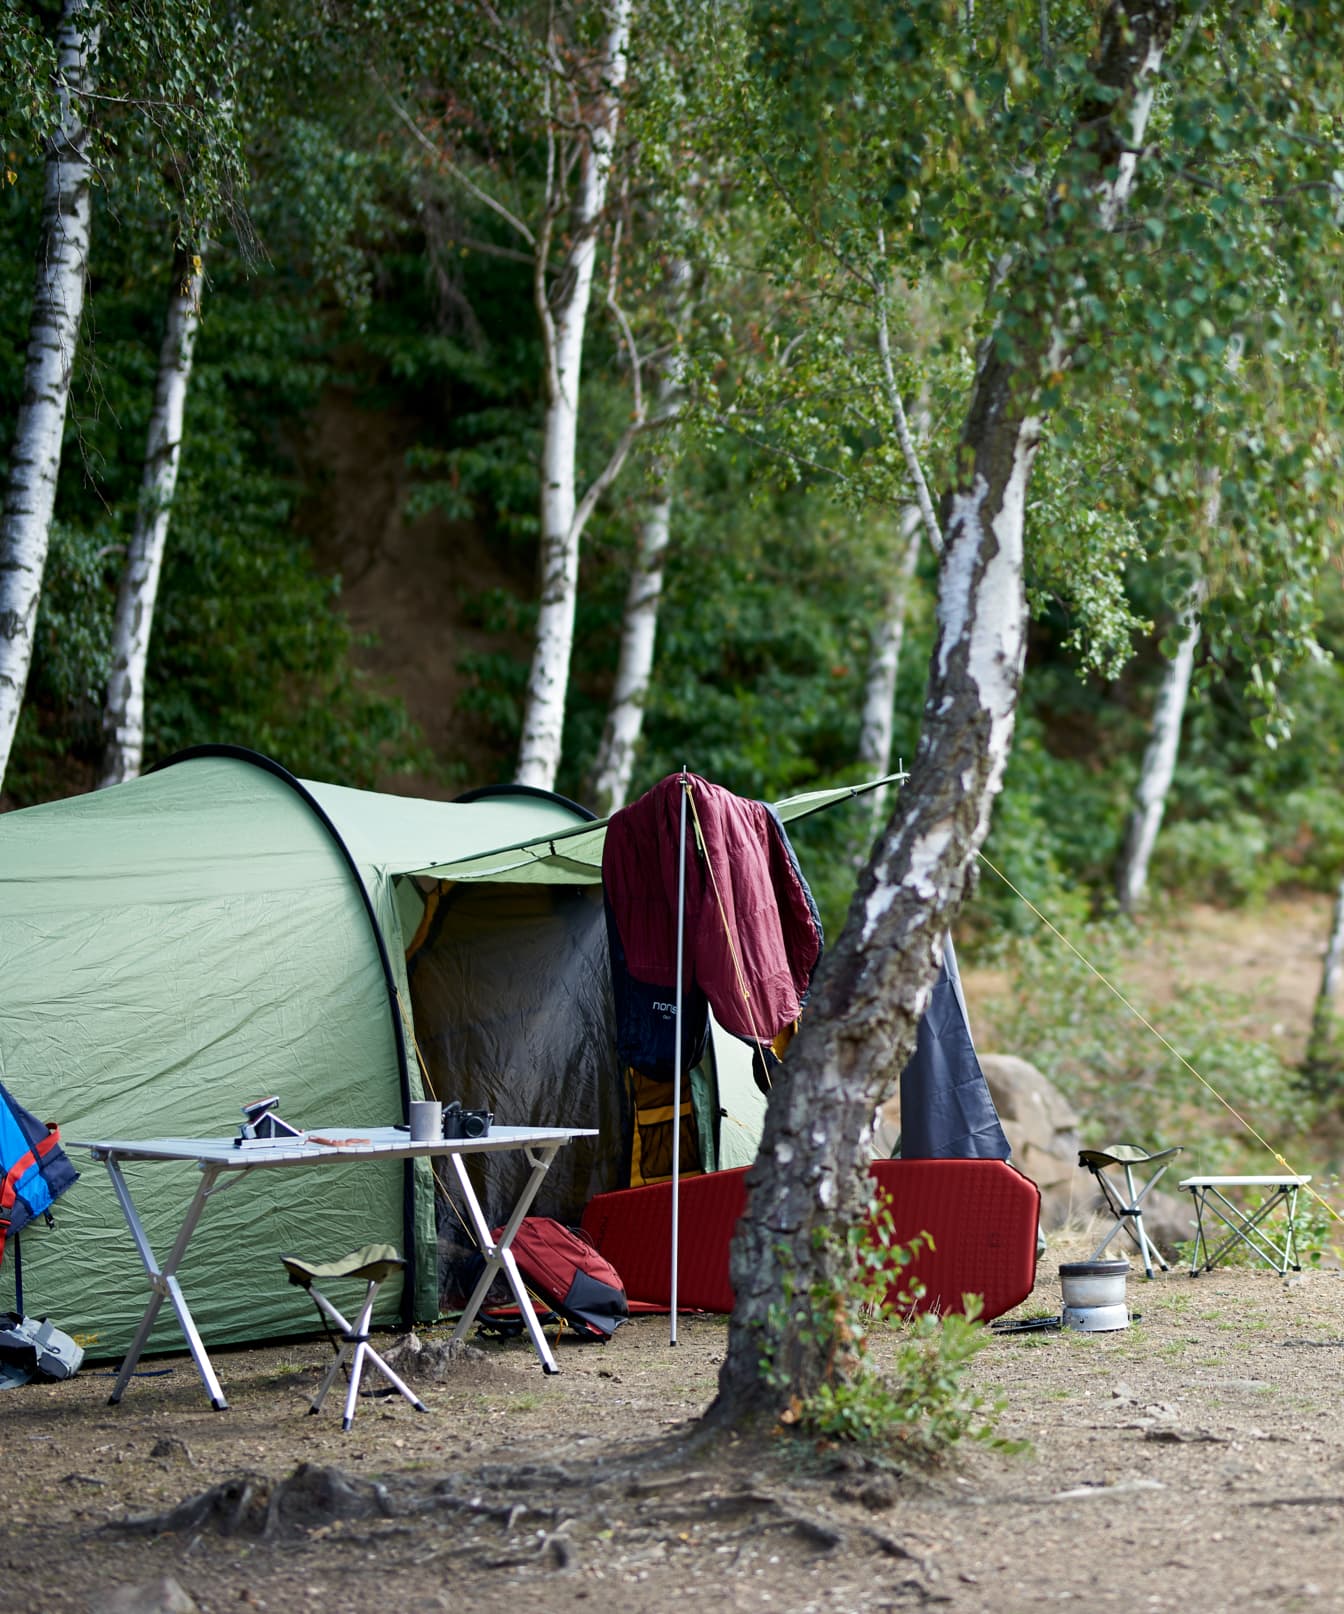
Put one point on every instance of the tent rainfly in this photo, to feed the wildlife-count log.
(218, 930)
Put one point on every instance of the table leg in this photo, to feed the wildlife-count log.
(164, 1285)
(499, 1257)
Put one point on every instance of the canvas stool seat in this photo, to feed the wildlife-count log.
(374, 1264)
(1126, 1160)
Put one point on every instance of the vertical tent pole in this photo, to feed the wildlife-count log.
(676, 1055)
(18, 1275)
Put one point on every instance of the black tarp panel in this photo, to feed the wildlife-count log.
(511, 997)
(947, 1112)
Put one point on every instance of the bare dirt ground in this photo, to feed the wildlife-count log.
(1194, 1460)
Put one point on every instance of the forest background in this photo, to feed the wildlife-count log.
(350, 579)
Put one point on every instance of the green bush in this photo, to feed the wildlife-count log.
(920, 1405)
(1224, 860)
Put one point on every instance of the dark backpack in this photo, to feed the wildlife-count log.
(563, 1269)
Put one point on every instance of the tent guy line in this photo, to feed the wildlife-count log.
(1165, 1041)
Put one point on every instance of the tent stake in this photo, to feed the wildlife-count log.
(676, 1057)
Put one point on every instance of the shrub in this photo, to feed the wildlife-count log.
(921, 1404)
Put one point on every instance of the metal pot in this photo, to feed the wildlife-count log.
(1094, 1295)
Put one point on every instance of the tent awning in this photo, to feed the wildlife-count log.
(573, 856)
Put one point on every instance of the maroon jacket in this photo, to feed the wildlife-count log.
(744, 897)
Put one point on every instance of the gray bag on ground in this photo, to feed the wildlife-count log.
(33, 1348)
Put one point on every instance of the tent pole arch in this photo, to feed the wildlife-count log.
(267, 764)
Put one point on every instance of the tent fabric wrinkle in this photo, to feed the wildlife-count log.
(752, 939)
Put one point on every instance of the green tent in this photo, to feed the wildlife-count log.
(219, 931)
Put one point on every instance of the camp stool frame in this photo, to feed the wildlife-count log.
(1128, 1212)
(1244, 1226)
(374, 1263)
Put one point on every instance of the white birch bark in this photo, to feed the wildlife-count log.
(1332, 978)
(563, 318)
(124, 712)
(615, 763)
(53, 333)
(1159, 765)
(879, 689)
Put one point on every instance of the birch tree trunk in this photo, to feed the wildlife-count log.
(1320, 1044)
(879, 689)
(809, 1183)
(53, 333)
(124, 712)
(615, 762)
(563, 318)
(1159, 765)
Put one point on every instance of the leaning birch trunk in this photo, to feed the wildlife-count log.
(809, 1183)
(563, 326)
(1159, 765)
(124, 713)
(879, 690)
(53, 333)
(615, 763)
(1320, 1044)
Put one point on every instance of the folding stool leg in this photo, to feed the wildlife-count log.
(356, 1352)
(1147, 1249)
(352, 1394)
(1129, 1217)
(365, 1353)
(343, 1354)
(1113, 1205)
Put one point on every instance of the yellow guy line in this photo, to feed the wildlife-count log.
(1166, 1042)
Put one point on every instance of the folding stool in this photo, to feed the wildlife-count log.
(374, 1263)
(1128, 1212)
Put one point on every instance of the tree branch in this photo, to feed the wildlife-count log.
(907, 442)
(612, 469)
(451, 167)
(627, 335)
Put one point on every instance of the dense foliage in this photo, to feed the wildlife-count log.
(344, 257)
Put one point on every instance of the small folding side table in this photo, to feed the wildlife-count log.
(1216, 1213)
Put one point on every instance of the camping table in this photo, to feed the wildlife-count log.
(222, 1165)
(1245, 1226)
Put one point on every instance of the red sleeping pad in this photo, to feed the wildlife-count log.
(981, 1214)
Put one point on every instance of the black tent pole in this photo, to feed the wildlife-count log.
(18, 1274)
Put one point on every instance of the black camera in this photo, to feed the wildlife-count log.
(460, 1123)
